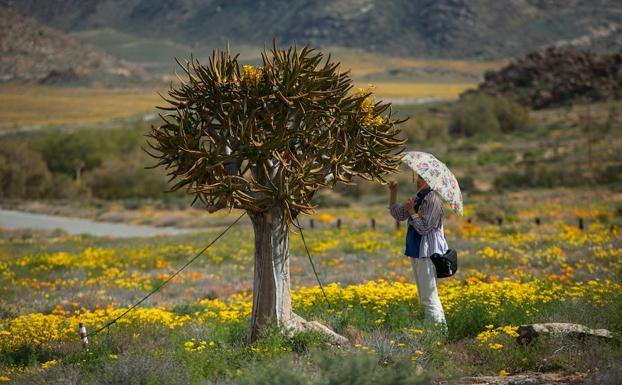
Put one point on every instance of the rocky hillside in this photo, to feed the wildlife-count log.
(432, 28)
(33, 52)
(558, 76)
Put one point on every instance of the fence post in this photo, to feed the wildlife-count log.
(499, 221)
(338, 223)
(537, 221)
(311, 224)
(581, 224)
(373, 224)
(83, 335)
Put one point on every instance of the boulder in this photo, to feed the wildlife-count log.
(526, 333)
(298, 324)
(528, 378)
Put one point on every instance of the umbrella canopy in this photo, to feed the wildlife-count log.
(438, 177)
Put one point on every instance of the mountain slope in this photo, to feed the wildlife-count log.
(441, 28)
(37, 53)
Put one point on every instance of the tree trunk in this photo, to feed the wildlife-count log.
(272, 300)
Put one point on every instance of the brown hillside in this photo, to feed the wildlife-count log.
(33, 52)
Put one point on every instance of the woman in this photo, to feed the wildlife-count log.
(425, 237)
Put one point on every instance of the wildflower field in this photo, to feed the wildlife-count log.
(553, 258)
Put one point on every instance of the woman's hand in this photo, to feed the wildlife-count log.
(410, 206)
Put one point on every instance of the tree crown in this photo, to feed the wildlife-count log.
(255, 137)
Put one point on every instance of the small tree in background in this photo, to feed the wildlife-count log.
(265, 139)
(477, 113)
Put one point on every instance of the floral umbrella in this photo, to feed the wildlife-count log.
(437, 175)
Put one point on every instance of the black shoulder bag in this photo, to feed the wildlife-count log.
(446, 264)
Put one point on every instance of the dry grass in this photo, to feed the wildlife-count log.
(34, 105)
(421, 90)
(25, 105)
(31, 105)
(362, 64)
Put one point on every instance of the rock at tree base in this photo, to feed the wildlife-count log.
(298, 324)
(528, 332)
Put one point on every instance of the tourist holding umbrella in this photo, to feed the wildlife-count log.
(425, 235)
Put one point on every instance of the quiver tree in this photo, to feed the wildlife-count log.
(265, 139)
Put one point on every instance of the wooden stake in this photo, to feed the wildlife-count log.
(83, 335)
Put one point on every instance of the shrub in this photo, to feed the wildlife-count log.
(481, 114)
(425, 127)
(467, 183)
(126, 177)
(55, 374)
(65, 187)
(498, 156)
(136, 367)
(85, 148)
(354, 369)
(23, 173)
(538, 177)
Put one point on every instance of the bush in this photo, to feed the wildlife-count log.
(538, 177)
(126, 177)
(57, 374)
(425, 127)
(65, 187)
(23, 173)
(482, 114)
(467, 183)
(86, 148)
(354, 369)
(498, 156)
(136, 367)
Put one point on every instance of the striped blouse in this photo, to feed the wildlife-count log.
(428, 223)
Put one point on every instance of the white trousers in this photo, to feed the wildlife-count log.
(425, 278)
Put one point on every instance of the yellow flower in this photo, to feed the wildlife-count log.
(47, 364)
(251, 74)
(189, 346)
(113, 356)
(503, 372)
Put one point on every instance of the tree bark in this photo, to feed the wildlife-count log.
(272, 302)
